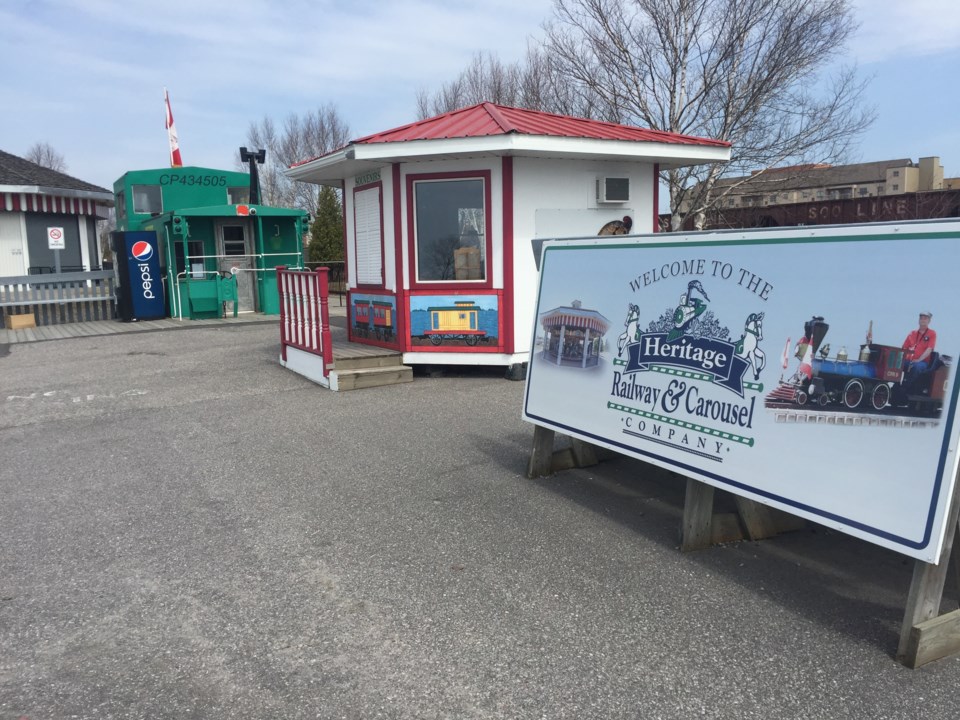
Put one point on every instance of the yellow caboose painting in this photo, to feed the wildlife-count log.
(459, 321)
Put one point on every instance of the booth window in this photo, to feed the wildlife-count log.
(450, 230)
(368, 232)
(147, 199)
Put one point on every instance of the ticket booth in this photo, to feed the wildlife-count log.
(440, 214)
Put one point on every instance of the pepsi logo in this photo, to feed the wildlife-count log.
(142, 250)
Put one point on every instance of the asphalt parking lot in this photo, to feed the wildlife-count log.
(191, 531)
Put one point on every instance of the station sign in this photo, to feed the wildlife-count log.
(783, 365)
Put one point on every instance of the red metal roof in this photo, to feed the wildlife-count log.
(490, 119)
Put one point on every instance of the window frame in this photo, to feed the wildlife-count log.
(244, 200)
(378, 185)
(442, 285)
(133, 198)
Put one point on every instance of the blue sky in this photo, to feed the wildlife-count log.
(87, 76)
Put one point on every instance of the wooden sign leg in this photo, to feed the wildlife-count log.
(762, 521)
(541, 456)
(544, 461)
(926, 635)
(696, 532)
(955, 561)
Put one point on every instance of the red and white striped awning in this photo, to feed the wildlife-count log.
(32, 202)
(582, 320)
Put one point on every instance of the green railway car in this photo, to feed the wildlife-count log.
(214, 244)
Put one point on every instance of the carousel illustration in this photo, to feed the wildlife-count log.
(573, 335)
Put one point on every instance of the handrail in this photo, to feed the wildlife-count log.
(304, 313)
(245, 255)
(183, 275)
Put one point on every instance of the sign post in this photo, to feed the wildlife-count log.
(56, 242)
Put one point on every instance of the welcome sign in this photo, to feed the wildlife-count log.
(790, 366)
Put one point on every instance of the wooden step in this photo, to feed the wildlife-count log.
(359, 378)
(361, 362)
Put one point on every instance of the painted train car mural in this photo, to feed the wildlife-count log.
(457, 322)
(449, 320)
(877, 381)
(374, 317)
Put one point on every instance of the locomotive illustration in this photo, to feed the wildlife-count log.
(876, 381)
(373, 319)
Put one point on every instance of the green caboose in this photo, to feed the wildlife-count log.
(215, 245)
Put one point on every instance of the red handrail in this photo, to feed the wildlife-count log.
(304, 313)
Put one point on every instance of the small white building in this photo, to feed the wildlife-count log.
(34, 199)
(440, 214)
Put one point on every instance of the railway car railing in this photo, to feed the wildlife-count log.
(304, 313)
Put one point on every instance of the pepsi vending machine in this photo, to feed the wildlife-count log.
(139, 284)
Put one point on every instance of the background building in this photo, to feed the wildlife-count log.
(882, 191)
(34, 198)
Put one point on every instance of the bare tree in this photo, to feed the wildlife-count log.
(744, 71)
(301, 138)
(44, 155)
(534, 83)
(104, 228)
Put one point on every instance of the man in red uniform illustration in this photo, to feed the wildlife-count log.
(918, 347)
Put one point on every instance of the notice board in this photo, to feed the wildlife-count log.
(768, 363)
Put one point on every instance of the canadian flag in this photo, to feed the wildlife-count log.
(786, 349)
(806, 364)
(175, 160)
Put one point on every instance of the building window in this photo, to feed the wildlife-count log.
(772, 198)
(238, 195)
(368, 232)
(896, 173)
(234, 240)
(863, 192)
(896, 188)
(819, 194)
(450, 229)
(147, 199)
(879, 189)
(121, 206)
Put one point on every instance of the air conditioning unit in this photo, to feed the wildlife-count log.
(613, 189)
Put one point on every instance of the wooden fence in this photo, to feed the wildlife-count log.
(55, 299)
